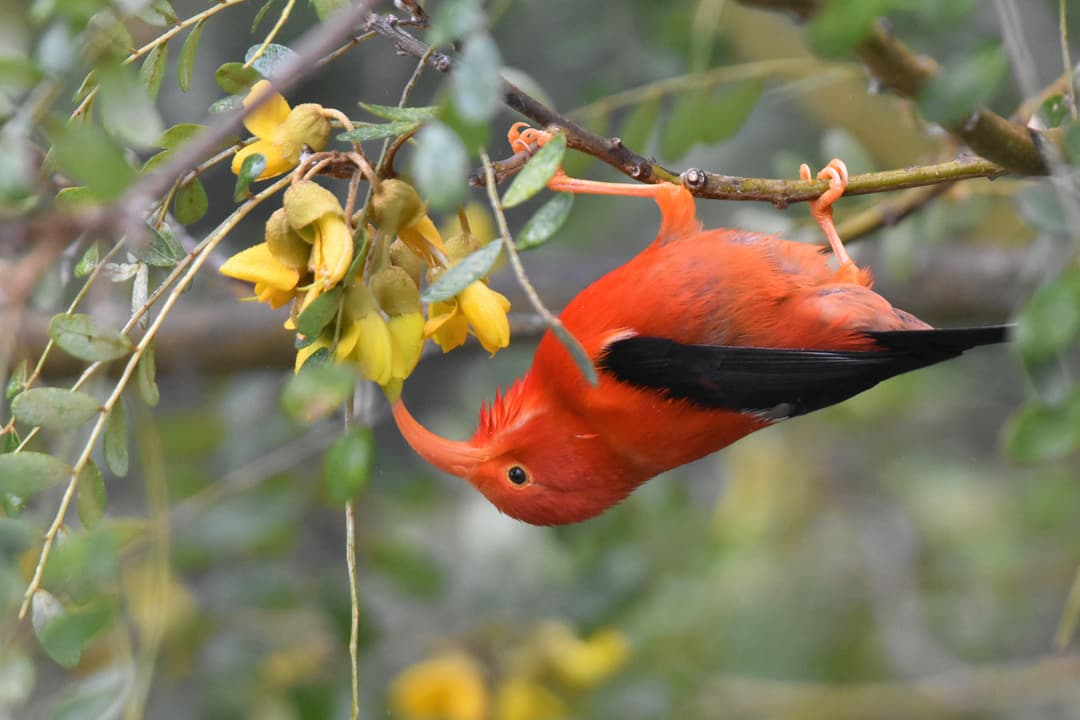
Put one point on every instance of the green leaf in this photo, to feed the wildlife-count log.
(463, 273)
(1054, 110)
(1050, 321)
(1044, 432)
(1040, 203)
(536, 173)
(347, 464)
(685, 124)
(19, 73)
(9, 441)
(402, 114)
(1072, 143)
(152, 69)
(54, 408)
(475, 82)
(90, 496)
(159, 13)
(316, 391)
(362, 132)
(28, 473)
(179, 134)
(115, 443)
(474, 135)
(88, 261)
(185, 66)
(145, 377)
(956, 91)
(190, 203)
(65, 633)
(250, 170)
(163, 250)
(440, 164)
(89, 156)
(227, 104)
(272, 57)
(82, 336)
(326, 8)
(841, 24)
(319, 313)
(127, 110)
(577, 352)
(235, 79)
(454, 19)
(639, 125)
(545, 222)
(261, 14)
(17, 381)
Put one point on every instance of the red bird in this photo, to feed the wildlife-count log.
(704, 337)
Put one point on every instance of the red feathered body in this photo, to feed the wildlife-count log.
(582, 447)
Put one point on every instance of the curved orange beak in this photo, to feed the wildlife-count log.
(450, 456)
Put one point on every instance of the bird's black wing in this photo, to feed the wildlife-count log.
(779, 383)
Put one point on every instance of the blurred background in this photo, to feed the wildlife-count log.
(883, 558)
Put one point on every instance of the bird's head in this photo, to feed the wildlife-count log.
(533, 462)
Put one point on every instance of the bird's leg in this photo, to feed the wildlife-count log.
(837, 174)
(522, 139)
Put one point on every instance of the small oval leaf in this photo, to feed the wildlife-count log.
(145, 377)
(115, 443)
(545, 222)
(347, 464)
(1050, 321)
(272, 57)
(362, 132)
(475, 82)
(152, 69)
(464, 273)
(88, 261)
(90, 497)
(17, 381)
(250, 170)
(235, 79)
(28, 473)
(319, 313)
(190, 203)
(536, 173)
(81, 336)
(1044, 432)
(185, 67)
(402, 114)
(54, 408)
(577, 351)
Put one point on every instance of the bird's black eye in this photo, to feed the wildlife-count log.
(517, 475)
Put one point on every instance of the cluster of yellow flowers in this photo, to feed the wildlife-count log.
(363, 296)
(455, 686)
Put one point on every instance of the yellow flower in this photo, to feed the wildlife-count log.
(316, 215)
(582, 663)
(518, 699)
(282, 132)
(478, 308)
(365, 336)
(275, 282)
(447, 687)
(302, 355)
(398, 210)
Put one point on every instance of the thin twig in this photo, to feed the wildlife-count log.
(282, 19)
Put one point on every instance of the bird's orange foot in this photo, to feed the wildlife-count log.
(836, 173)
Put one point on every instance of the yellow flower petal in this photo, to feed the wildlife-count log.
(446, 325)
(276, 298)
(332, 251)
(258, 265)
(276, 164)
(585, 663)
(518, 699)
(407, 329)
(486, 311)
(374, 351)
(450, 687)
(269, 116)
(347, 342)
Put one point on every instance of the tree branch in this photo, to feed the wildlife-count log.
(701, 183)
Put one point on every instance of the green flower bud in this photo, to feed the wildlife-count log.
(305, 202)
(306, 125)
(396, 205)
(396, 291)
(285, 244)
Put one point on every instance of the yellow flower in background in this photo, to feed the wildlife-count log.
(446, 687)
(519, 699)
(275, 282)
(282, 132)
(582, 662)
(478, 308)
